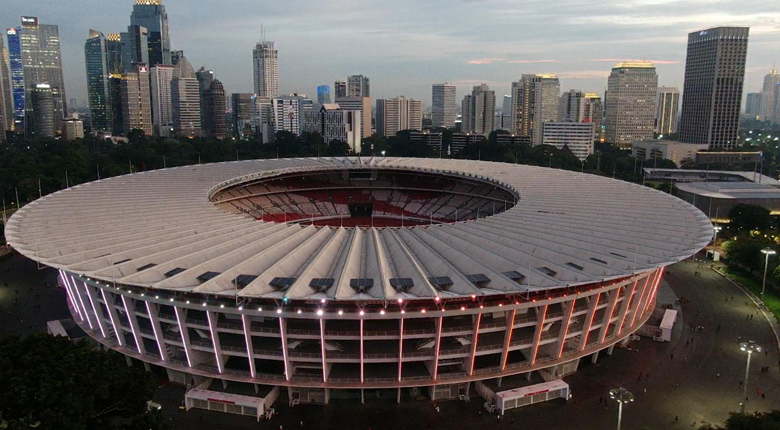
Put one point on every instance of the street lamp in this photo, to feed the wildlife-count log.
(620, 395)
(766, 252)
(750, 347)
(716, 228)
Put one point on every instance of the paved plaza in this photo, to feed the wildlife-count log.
(695, 377)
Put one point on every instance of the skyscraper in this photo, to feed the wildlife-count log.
(631, 93)
(363, 104)
(6, 106)
(135, 47)
(40, 112)
(42, 61)
(753, 105)
(98, 81)
(17, 75)
(768, 107)
(444, 108)
(535, 100)
(242, 113)
(394, 115)
(340, 89)
(323, 94)
(214, 110)
(712, 91)
(136, 103)
(162, 107)
(578, 106)
(667, 107)
(151, 15)
(114, 58)
(266, 70)
(477, 110)
(359, 86)
(185, 100)
(205, 78)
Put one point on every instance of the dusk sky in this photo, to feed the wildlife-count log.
(404, 46)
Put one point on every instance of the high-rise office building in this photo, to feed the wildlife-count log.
(175, 56)
(16, 71)
(6, 106)
(135, 47)
(363, 104)
(266, 70)
(535, 100)
(98, 81)
(241, 104)
(214, 110)
(42, 62)
(667, 106)
(753, 105)
(340, 89)
(334, 123)
(712, 90)
(631, 94)
(477, 111)
(185, 100)
(578, 106)
(444, 107)
(162, 106)
(768, 107)
(394, 115)
(205, 78)
(40, 112)
(114, 58)
(288, 114)
(151, 15)
(323, 94)
(263, 119)
(359, 86)
(136, 101)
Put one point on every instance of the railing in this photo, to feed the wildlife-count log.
(488, 347)
(420, 331)
(234, 348)
(261, 329)
(454, 351)
(418, 354)
(167, 316)
(229, 325)
(146, 331)
(302, 378)
(343, 355)
(451, 375)
(268, 352)
(292, 331)
(304, 354)
(195, 321)
(385, 355)
(203, 343)
(456, 329)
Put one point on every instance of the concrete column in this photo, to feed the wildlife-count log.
(322, 348)
(474, 339)
(628, 296)
(80, 298)
(527, 376)
(181, 319)
(588, 323)
(439, 323)
(510, 321)
(256, 387)
(151, 309)
(108, 300)
(327, 396)
(595, 357)
(541, 314)
(71, 297)
(147, 367)
(362, 395)
(400, 354)
(250, 349)
(101, 323)
(132, 319)
(610, 309)
(129, 361)
(213, 318)
(499, 380)
(283, 334)
(568, 309)
(645, 297)
(610, 349)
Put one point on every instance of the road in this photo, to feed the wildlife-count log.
(681, 376)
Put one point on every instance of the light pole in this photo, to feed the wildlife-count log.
(750, 347)
(620, 395)
(767, 252)
(716, 228)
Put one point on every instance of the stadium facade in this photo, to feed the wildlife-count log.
(326, 274)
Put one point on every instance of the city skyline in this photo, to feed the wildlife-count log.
(405, 56)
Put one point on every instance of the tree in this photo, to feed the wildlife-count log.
(758, 421)
(745, 252)
(54, 383)
(746, 217)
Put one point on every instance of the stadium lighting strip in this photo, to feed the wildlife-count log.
(111, 317)
(248, 340)
(605, 326)
(655, 289)
(283, 336)
(184, 342)
(361, 350)
(401, 350)
(154, 330)
(98, 317)
(322, 346)
(508, 337)
(566, 329)
(214, 341)
(132, 328)
(70, 295)
(81, 300)
(630, 299)
(538, 336)
(638, 305)
(590, 326)
(474, 339)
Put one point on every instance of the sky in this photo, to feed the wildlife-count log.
(405, 46)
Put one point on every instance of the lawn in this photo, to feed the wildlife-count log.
(753, 284)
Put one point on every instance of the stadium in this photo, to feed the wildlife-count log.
(337, 275)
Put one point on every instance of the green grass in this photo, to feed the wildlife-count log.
(771, 299)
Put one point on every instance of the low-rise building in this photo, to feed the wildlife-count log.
(666, 150)
(577, 136)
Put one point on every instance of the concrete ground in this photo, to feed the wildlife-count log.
(695, 377)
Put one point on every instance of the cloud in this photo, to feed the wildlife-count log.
(485, 61)
(618, 60)
(533, 61)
